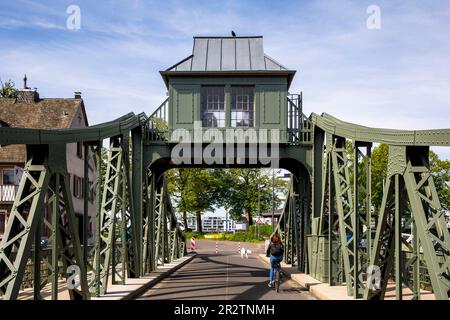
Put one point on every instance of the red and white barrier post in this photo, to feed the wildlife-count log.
(217, 247)
(239, 247)
(193, 243)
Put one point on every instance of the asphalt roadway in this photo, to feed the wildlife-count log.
(224, 276)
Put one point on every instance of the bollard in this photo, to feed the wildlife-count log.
(239, 247)
(193, 243)
(217, 248)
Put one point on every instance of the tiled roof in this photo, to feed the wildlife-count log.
(228, 54)
(43, 114)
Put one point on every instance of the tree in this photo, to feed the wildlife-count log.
(177, 183)
(440, 169)
(193, 190)
(379, 170)
(245, 191)
(8, 90)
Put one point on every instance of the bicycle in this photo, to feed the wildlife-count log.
(277, 275)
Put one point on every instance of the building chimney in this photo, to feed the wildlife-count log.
(27, 95)
(25, 82)
(77, 95)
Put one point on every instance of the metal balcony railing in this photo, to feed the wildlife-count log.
(8, 193)
(158, 124)
(299, 127)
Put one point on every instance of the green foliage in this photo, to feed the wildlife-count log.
(161, 125)
(189, 234)
(440, 169)
(8, 90)
(246, 191)
(264, 230)
(193, 190)
(379, 171)
(237, 190)
(241, 236)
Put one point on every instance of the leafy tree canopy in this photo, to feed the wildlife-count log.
(8, 90)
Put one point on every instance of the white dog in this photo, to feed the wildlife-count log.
(245, 252)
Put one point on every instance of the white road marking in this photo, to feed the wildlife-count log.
(226, 289)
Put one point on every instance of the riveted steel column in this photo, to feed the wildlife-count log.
(318, 170)
(108, 213)
(95, 284)
(398, 236)
(137, 185)
(345, 208)
(72, 254)
(296, 224)
(37, 263)
(55, 234)
(361, 219)
(416, 264)
(356, 222)
(158, 209)
(149, 227)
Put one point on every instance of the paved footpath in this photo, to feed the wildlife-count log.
(224, 276)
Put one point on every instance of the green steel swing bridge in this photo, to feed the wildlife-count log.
(328, 224)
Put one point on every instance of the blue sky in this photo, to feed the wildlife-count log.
(397, 76)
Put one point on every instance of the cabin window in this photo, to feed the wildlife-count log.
(213, 106)
(242, 106)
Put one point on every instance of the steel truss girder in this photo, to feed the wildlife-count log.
(285, 227)
(43, 168)
(428, 215)
(410, 193)
(362, 216)
(115, 245)
(147, 228)
(159, 222)
(292, 224)
(162, 241)
(344, 208)
(328, 220)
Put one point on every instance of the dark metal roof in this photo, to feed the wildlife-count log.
(228, 54)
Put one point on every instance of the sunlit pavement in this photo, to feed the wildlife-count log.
(224, 276)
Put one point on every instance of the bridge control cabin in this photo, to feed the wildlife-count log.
(229, 82)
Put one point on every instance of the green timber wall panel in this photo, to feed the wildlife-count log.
(270, 100)
(272, 106)
(185, 104)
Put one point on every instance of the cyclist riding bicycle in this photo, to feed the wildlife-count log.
(275, 250)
